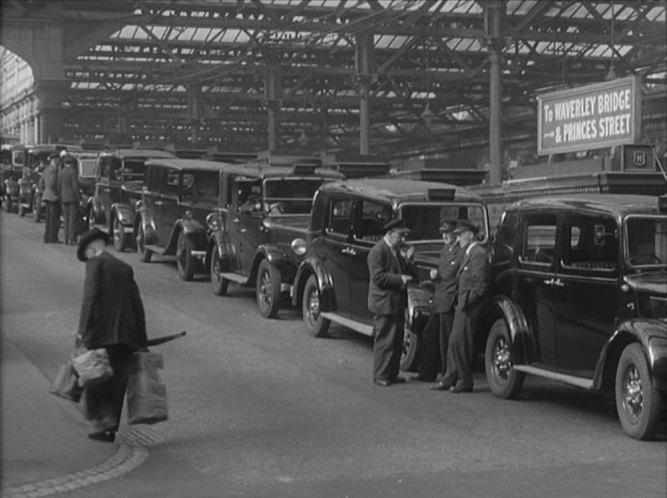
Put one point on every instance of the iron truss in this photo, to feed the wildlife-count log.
(168, 65)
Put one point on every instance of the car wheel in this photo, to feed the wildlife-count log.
(145, 255)
(504, 381)
(184, 259)
(121, 240)
(219, 283)
(637, 399)
(411, 344)
(316, 324)
(268, 289)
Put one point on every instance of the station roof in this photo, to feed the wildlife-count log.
(168, 65)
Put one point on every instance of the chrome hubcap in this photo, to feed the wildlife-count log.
(216, 267)
(502, 365)
(116, 234)
(633, 398)
(265, 289)
(313, 306)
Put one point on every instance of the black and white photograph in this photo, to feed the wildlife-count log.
(333, 248)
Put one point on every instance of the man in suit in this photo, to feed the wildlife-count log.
(70, 197)
(390, 271)
(438, 329)
(48, 185)
(112, 317)
(473, 279)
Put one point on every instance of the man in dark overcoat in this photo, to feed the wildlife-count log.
(438, 329)
(48, 185)
(473, 280)
(112, 317)
(70, 197)
(390, 271)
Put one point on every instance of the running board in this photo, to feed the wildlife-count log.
(568, 379)
(351, 324)
(234, 277)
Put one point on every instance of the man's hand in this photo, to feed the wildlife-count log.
(433, 274)
(406, 279)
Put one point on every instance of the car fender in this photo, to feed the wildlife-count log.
(312, 266)
(523, 344)
(419, 308)
(651, 334)
(192, 229)
(147, 223)
(124, 213)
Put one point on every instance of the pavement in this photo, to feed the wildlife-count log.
(45, 448)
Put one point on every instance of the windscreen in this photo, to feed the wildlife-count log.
(87, 167)
(424, 219)
(133, 169)
(646, 240)
(290, 195)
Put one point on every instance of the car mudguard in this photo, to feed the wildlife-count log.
(523, 344)
(123, 213)
(651, 334)
(419, 308)
(192, 229)
(312, 266)
(145, 220)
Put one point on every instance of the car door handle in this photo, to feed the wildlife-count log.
(243, 230)
(349, 250)
(159, 203)
(548, 282)
(235, 220)
(558, 283)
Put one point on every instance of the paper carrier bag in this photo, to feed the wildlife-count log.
(146, 391)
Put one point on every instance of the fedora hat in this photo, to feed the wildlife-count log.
(447, 226)
(395, 225)
(86, 238)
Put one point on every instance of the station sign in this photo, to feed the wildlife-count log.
(589, 117)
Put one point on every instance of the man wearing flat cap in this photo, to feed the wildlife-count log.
(438, 329)
(472, 281)
(390, 272)
(112, 317)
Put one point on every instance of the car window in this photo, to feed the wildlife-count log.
(104, 163)
(133, 169)
(200, 186)
(372, 217)
(340, 216)
(115, 167)
(504, 244)
(539, 240)
(155, 178)
(246, 194)
(591, 243)
(646, 240)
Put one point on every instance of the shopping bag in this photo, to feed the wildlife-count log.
(146, 391)
(65, 384)
(92, 367)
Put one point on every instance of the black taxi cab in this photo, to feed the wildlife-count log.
(263, 209)
(120, 178)
(332, 282)
(178, 196)
(580, 296)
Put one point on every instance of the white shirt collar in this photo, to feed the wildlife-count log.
(470, 246)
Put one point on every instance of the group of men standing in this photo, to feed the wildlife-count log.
(59, 184)
(461, 281)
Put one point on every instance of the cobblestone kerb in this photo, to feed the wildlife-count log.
(126, 459)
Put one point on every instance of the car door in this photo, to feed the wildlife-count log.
(369, 218)
(535, 277)
(167, 211)
(333, 250)
(586, 291)
(155, 178)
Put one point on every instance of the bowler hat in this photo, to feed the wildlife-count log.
(67, 159)
(86, 238)
(465, 226)
(447, 226)
(397, 224)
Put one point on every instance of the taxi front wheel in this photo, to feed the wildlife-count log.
(316, 324)
(268, 289)
(219, 284)
(504, 381)
(637, 399)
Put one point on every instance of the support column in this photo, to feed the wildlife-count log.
(495, 16)
(194, 111)
(365, 61)
(50, 95)
(273, 93)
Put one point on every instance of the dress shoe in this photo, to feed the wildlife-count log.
(399, 380)
(106, 436)
(441, 386)
(382, 382)
(421, 378)
(461, 389)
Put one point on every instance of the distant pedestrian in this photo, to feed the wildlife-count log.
(48, 185)
(473, 280)
(390, 273)
(70, 197)
(112, 317)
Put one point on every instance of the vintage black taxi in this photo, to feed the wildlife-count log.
(580, 296)
(332, 282)
(120, 178)
(264, 208)
(171, 217)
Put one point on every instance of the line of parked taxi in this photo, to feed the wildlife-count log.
(578, 289)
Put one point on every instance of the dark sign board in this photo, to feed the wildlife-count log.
(589, 117)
